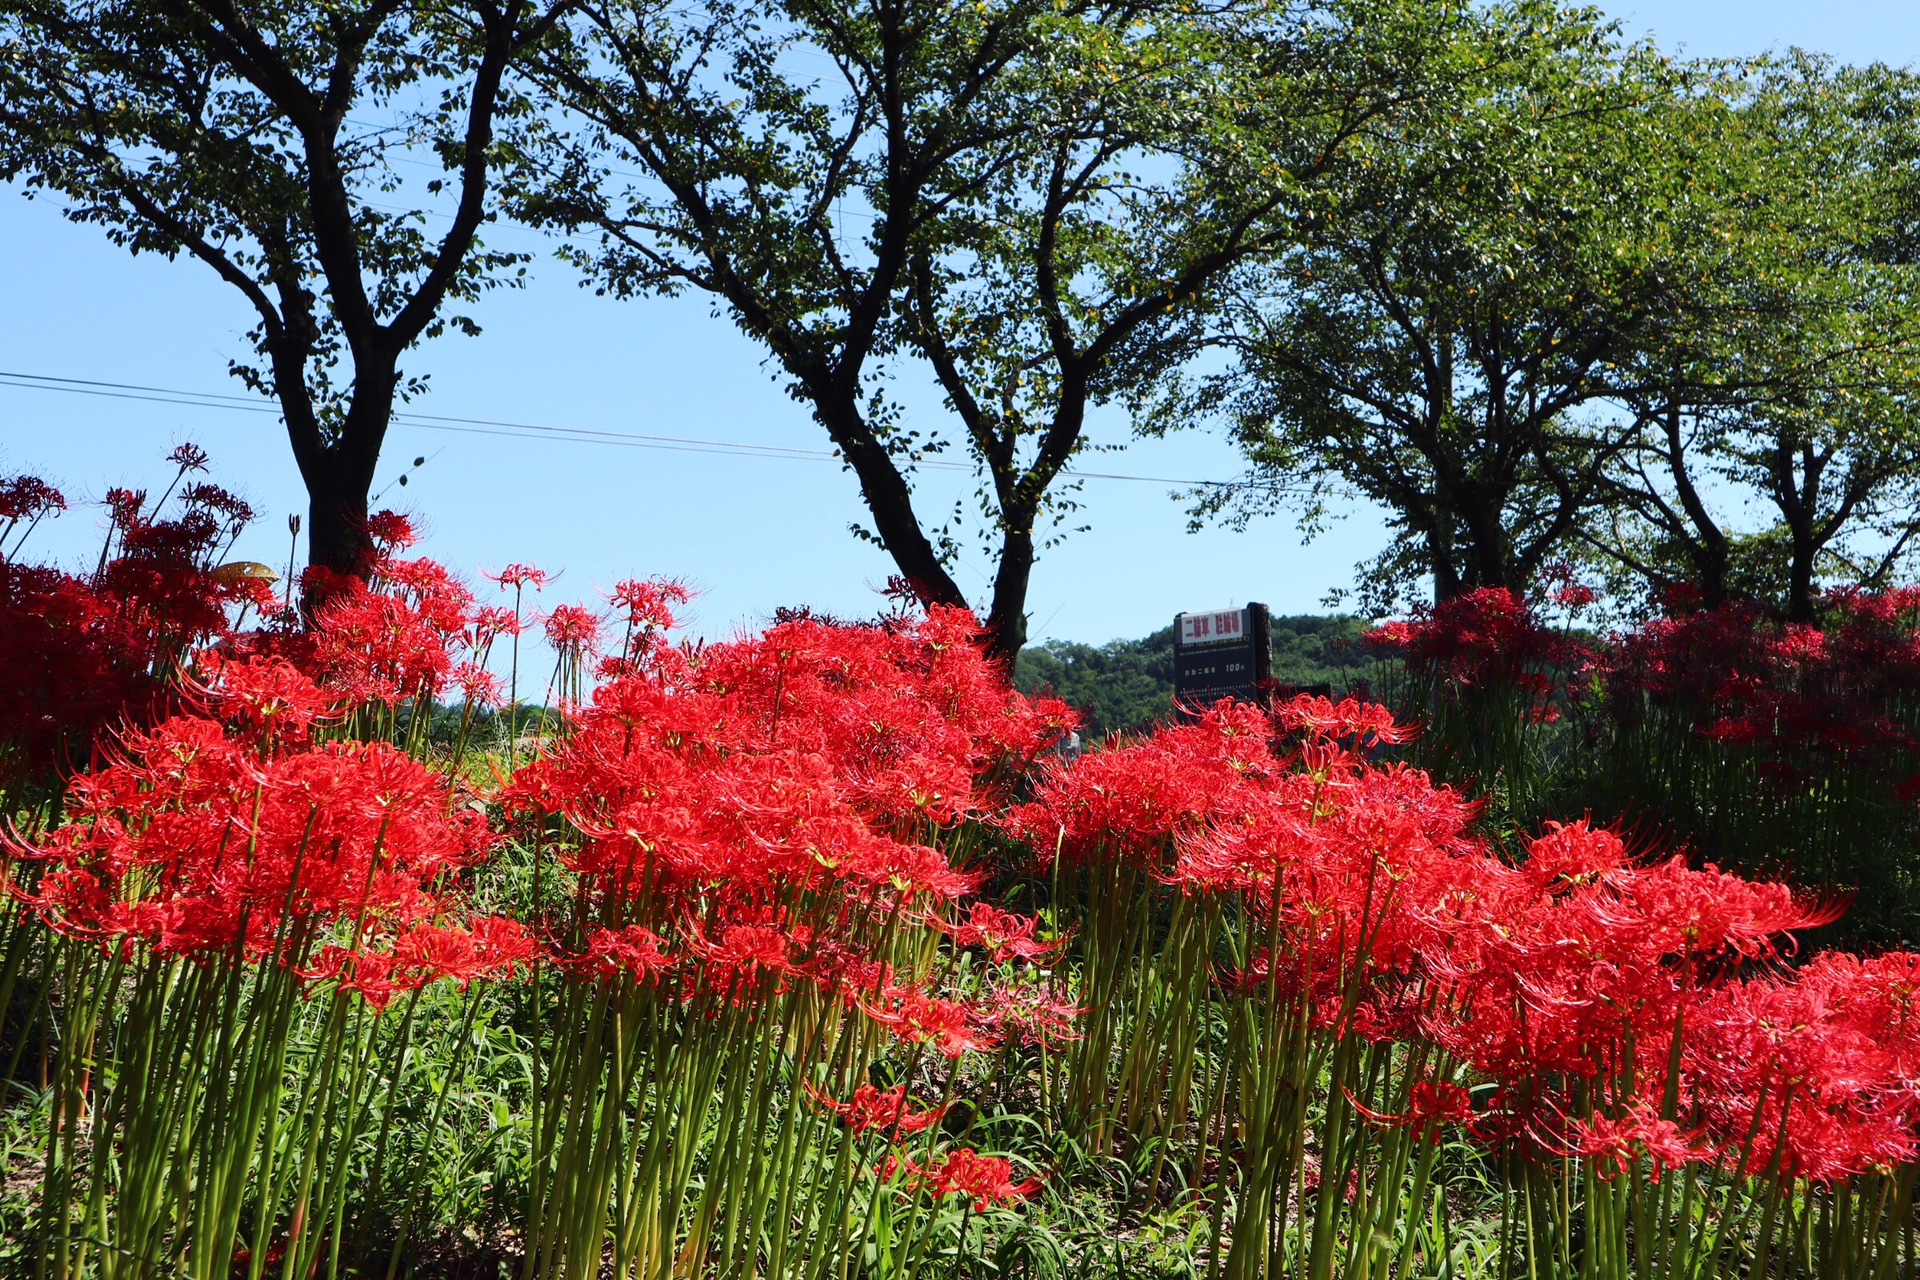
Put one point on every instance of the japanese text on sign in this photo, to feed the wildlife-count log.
(1204, 628)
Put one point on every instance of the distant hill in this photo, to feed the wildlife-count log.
(1128, 684)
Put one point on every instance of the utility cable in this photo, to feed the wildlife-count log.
(522, 430)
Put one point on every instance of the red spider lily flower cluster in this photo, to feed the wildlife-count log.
(1126, 803)
(885, 1110)
(406, 634)
(483, 947)
(79, 654)
(27, 498)
(986, 1180)
(1432, 1105)
(1817, 1074)
(230, 833)
(1485, 638)
(1612, 1007)
(1565, 589)
(1002, 934)
(1804, 699)
(1617, 1145)
(760, 813)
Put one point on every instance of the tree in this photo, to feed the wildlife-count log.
(1019, 197)
(1792, 388)
(262, 139)
(1446, 339)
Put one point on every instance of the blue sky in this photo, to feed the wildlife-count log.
(751, 533)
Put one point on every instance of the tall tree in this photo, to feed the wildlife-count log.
(262, 140)
(1018, 197)
(1446, 339)
(1791, 392)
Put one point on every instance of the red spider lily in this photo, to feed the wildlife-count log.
(723, 787)
(1789, 693)
(1616, 1145)
(1486, 637)
(1815, 1075)
(28, 498)
(1127, 802)
(744, 954)
(1587, 969)
(196, 843)
(950, 1026)
(634, 950)
(484, 947)
(771, 819)
(518, 576)
(478, 686)
(988, 1180)
(571, 629)
(489, 947)
(1031, 1014)
(188, 457)
(78, 654)
(1431, 1106)
(1004, 935)
(271, 700)
(649, 602)
(1574, 853)
(395, 637)
(1365, 723)
(391, 532)
(787, 757)
(1566, 590)
(882, 1109)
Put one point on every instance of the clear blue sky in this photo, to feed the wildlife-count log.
(750, 533)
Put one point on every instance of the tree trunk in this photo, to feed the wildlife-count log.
(889, 501)
(340, 474)
(1007, 622)
(337, 526)
(1798, 498)
(1800, 580)
(1708, 547)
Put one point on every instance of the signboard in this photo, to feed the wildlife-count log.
(1221, 653)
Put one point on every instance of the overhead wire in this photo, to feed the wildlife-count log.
(521, 430)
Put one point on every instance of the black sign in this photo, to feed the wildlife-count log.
(1225, 653)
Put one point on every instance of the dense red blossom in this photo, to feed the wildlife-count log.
(1617, 1144)
(1487, 638)
(1799, 698)
(80, 655)
(202, 839)
(1003, 934)
(27, 498)
(1132, 799)
(986, 1180)
(1562, 981)
(1815, 1074)
(1366, 724)
(885, 1110)
(572, 629)
(398, 637)
(485, 947)
(770, 804)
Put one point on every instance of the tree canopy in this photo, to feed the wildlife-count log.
(1790, 390)
(263, 141)
(1576, 314)
(1017, 199)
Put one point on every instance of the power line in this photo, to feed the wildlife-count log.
(516, 430)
